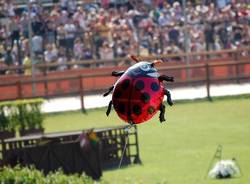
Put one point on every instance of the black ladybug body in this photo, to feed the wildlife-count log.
(138, 94)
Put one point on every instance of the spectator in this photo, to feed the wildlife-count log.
(78, 49)
(224, 36)
(61, 33)
(15, 31)
(9, 58)
(9, 9)
(4, 34)
(87, 54)
(197, 46)
(37, 44)
(80, 18)
(174, 34)
(106, 51)
(62, 60)
(70, 30)
(25, 47)
(27, 62)
(97, 40)
(237, 35)
(217, 44)
(2, 67)
(71, 6)
(24, 24)
(50, 56)
(2, 14)
(36, 9)
(209, 37)
(165, 18)
(63, 4)
(37, 25)
(63, 17)
(50, 31)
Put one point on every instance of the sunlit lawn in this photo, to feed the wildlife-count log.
(179, 151)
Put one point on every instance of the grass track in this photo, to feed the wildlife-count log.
(179, 151)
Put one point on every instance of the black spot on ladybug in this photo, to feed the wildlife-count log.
(145, 97)
(125, 84)
(137, 109)
(117, 94)
(121, 108)
(151, 110)
(155, 86)
(139, 85)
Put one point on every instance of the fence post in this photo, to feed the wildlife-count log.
(137, 159)
(3, 159)
(81, 93)
(208, 82)
(45, 74)
(19, 89)
(237, 70)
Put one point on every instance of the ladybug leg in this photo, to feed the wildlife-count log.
(162, 113)
(169, 99)
(109, 108)
(117, 73)
(109, 91)
(166, 78)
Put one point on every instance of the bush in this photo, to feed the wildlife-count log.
(59, 178)
(27, 175)
(28, 114)
(20, 175)
(22, 114)
(6, 121)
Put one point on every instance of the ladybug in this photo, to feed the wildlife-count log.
(138, 93)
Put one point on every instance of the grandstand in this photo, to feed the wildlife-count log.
(56, 54)
(67, 31)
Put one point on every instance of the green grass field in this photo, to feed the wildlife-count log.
(179, 151)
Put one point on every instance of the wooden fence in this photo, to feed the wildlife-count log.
(193, 57)
(234, 67)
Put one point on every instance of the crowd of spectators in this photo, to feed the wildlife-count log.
(73, 30)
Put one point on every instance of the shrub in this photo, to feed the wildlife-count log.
(20, 175)
(59, 178)
(23, 114)
(25, 175)
(28, 114)
(6, 121)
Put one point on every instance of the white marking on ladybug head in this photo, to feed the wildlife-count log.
(154, 74)
(145, 67)
(142, 69)
(138, 65)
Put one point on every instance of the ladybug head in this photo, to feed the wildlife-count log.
(144, 69)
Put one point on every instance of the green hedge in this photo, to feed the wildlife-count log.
(27, 175)
(21, 114)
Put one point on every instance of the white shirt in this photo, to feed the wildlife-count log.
(70, 30)
(62, 63)
(37, 43)
(49, 56)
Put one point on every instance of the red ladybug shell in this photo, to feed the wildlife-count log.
(137, 99)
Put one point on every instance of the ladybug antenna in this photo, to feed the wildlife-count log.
(135, 58)
(156, 62)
